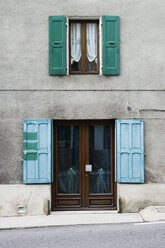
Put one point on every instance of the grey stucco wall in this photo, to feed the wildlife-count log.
(79, 105)
(28, 92)
(24, 43)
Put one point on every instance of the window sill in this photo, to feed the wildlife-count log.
(83, 73)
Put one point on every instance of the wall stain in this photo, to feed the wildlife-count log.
(121, 205)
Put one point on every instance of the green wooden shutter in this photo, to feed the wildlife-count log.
(111, 45)
(129, 159)
(57, 45)
(37, 151)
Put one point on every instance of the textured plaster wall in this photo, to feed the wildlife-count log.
(28, 92)
(80, 105)
(146, 195)
(30, 199)
(24, 43)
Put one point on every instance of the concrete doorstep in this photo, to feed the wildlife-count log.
(153, 213)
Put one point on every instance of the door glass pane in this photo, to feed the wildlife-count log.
(100, 158)
(91, 44)
(68, 159)
(75, 46)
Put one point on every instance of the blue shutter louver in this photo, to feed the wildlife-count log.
(129, 160)
(37, 151)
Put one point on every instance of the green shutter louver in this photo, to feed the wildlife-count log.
(57, 45)
(111, 45)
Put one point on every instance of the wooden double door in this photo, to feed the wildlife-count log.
(83, 165)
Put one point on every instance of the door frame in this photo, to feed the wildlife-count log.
(83, 197)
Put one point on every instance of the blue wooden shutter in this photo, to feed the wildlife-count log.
(111, 45)
(37, 151)
(129, 157)
(57, 45)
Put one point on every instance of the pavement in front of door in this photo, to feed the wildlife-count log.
(153, 213)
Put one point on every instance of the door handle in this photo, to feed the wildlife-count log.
(88, 167)
(111, 43)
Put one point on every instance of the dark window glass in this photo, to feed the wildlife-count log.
(68, 159)
(100, 158)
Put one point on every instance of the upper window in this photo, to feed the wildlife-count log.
(84, 47)
(75, 48)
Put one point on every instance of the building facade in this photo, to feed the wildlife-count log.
(86, 130)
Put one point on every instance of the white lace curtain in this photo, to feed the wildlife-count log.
(91, 36)
(75, 42)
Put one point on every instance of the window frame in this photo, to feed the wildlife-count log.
(83, 47)
(59, 58)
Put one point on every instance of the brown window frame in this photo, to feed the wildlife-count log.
(83, 47)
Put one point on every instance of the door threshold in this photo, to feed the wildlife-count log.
(84, 212)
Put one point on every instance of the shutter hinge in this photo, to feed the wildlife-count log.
(21, 161)
(100, 21)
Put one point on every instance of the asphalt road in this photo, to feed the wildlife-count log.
(87, 236)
